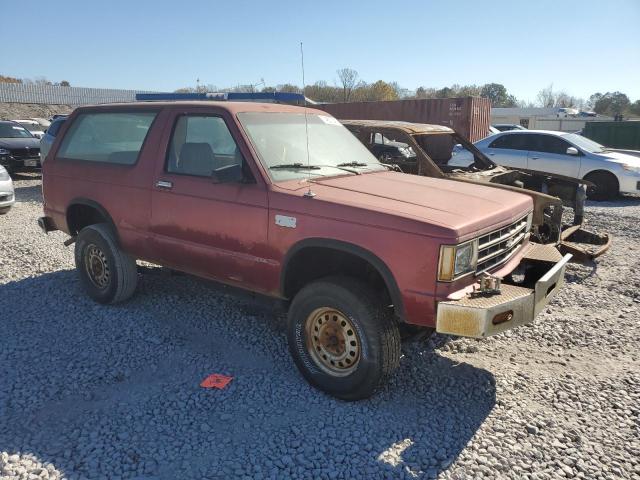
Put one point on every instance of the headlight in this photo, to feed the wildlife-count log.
(457, 260)
(4, 175)
(631, 168)
(4, 151)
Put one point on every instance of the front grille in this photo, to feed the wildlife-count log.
(498, 246)
(19, 153)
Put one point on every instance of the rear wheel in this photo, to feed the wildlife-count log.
(342, 337)
(108, 275)
(605, 186)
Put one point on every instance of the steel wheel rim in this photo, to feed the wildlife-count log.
(96, 266)
(332, 341)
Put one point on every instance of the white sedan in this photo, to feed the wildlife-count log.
(567, 154)
(6, 191)
(33, 126)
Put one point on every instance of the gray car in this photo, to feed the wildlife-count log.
(7, 197)
(49, 136)
(560, 153)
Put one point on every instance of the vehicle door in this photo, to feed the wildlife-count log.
(509, 149)
(209, 210)
(553, 154)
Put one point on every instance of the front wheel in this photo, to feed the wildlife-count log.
(108, 275)
(605, 186)
(343, 339)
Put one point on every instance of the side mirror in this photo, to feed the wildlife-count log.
(572, 151)
(228, 174)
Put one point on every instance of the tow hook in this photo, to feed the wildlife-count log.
(69, 241)
(489, 285)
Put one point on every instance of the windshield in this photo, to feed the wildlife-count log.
(31, 127)
(11, 130)
(281, 142)
(584, 143)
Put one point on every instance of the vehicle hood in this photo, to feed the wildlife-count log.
(19, 143)
(620, 157)
(424, 205)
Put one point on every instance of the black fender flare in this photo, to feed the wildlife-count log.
(346, 247)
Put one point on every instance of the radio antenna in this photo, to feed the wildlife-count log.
(309, 193)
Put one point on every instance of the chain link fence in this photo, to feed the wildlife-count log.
(56, 95)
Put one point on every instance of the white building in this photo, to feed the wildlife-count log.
(555, 118)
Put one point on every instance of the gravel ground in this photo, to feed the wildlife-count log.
(89, 391)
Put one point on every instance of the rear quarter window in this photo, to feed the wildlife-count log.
(109, 137)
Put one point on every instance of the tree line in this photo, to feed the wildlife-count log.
(34, 81)
(349, 87)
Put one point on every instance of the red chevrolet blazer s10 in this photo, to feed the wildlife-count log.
(286, 202)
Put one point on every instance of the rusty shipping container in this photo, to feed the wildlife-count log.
(469, 116)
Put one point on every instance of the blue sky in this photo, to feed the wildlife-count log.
(581, 46)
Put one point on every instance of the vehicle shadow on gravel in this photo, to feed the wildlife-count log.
(114, 391)
(621, 201)
(31, 193)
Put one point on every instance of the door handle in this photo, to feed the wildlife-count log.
(164, 184)
(535, 158)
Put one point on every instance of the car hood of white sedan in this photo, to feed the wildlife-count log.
(621, 158)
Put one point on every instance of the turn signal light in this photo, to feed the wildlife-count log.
(503, 317)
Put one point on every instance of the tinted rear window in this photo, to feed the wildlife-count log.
(107, 137)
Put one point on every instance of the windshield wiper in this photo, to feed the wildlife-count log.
(353, 164)
(294, 166)
(389, 166)
(302, 166)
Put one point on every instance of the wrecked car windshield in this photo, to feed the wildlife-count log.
(451, 151)
(281, 142)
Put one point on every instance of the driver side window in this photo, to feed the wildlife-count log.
(551, 144)
(200, 145)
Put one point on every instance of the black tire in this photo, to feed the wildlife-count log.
(96, 252)
(4, 210)
(375, 332)
(606, 186)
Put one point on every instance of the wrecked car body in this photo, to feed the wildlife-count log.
(434, 146)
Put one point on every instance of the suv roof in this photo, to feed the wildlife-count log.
(232, 107)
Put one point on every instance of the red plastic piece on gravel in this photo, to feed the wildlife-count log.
(215, 380)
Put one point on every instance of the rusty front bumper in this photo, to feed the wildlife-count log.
(481, 316)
